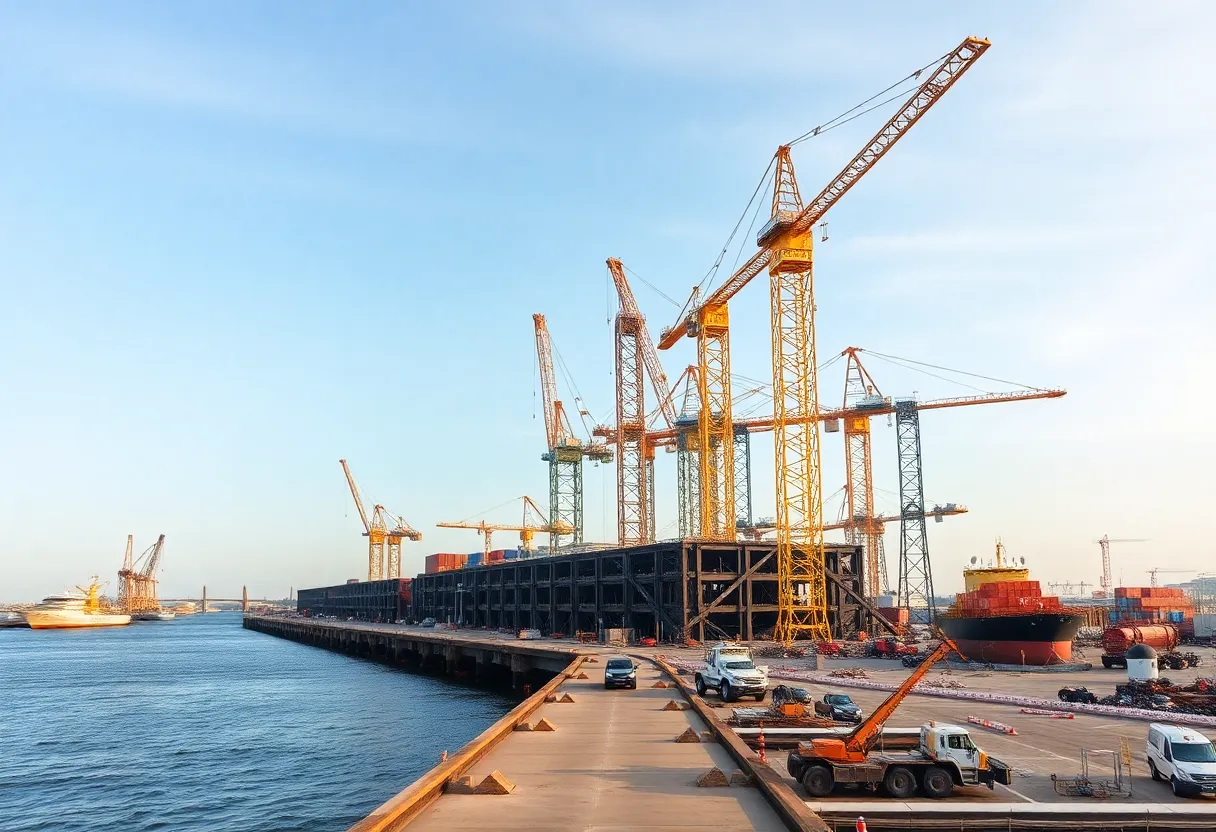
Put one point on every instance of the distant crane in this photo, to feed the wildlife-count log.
(527, 530)
(137, 579)
(383, 530)
(1152, 573)
(126, 577)
(1107, 587)
(565, 450)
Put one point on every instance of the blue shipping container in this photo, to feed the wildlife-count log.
(474, 559)
(1176, 617)
(510, 554)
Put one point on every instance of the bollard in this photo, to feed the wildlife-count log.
(861, 824)
(443, 756)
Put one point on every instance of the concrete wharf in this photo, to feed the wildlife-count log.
(612, 762)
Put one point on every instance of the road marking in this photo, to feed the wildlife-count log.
(1019, 794)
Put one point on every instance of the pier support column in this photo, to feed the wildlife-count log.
(519, 671)
(451, 656)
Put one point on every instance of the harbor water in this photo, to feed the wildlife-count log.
(199, 724)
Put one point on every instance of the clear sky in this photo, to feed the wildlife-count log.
(239, 241)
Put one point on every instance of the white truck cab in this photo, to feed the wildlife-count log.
(730, 670)
(1183, 756)
(953, 744)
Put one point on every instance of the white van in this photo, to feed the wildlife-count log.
(1182, 756)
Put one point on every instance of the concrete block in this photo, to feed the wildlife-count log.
(564, 698)
(544, 725)
(673, 705)
(689, 735)
(495, 783)
(591, 660)
(660, 684)
(550, 697)
(461, 785)
(582, 676)
(523, 726)
(740, 778)
(712, 779)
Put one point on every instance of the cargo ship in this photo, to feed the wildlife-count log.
(1003, 617)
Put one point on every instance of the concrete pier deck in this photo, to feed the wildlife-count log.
(612, 763)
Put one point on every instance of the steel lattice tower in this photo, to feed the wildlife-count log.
(743, 478)
(565, 493)
(915, 575)
(632, 478)
(688, 476)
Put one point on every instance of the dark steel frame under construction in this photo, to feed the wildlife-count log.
(671, 590)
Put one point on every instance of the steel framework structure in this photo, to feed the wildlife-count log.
(915, 574)
(743, 477)
(862, 529)
(715, 431)
(384, 532)
(632, 481)
(635, 356)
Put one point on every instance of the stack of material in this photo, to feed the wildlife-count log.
(1154, 605)
(1005, 598)
(444, 562)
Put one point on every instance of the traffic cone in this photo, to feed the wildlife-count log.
(861, 824)
(763, 759)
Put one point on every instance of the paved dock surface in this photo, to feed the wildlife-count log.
(612, 764)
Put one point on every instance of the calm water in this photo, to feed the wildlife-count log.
(200, 724)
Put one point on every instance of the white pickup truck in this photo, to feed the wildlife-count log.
(729, 669)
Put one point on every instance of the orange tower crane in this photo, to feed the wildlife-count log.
(785, 244)
(565, 450)
(527, 530)
(384, 532)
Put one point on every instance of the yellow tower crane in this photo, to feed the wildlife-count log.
(785, 244)
(527, 528)
(384, 532)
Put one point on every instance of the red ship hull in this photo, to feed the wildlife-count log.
(1033, 639)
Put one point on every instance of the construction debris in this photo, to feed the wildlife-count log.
(849, 673)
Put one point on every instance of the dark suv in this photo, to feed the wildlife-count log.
(621, 672)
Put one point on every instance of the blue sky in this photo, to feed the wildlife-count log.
(239, 242)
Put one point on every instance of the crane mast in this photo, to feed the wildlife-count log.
(564, 451)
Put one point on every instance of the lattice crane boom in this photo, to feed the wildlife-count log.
(526, 530)
(354, 492)
(957, 62)
(650, 355)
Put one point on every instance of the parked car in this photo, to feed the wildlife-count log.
(1183, 756)
(838, 706)
(621, 672)
(427, 622)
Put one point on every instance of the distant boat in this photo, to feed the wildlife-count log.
(72, 610)
(12, 619)
(154, 615)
